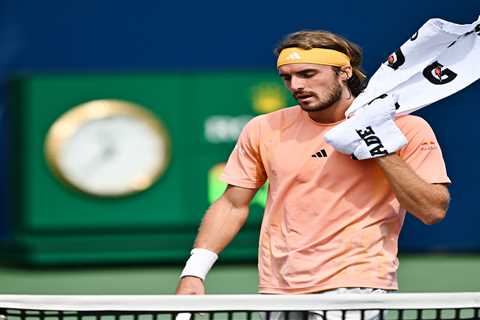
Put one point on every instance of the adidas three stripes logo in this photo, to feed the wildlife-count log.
(320, 154)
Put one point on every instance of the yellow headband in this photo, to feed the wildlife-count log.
(327, 57)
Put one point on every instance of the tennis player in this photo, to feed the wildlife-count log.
(331, 222)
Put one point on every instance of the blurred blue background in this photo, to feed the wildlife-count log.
(61, 37)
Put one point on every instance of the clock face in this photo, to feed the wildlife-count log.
(108, 148)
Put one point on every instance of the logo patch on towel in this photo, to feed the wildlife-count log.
(397, 106)
(396, 59)
(414, 37)
(368, 135)
(437, 74)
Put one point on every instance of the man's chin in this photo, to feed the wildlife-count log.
(311, 108)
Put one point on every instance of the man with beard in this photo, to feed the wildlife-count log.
(331, 223)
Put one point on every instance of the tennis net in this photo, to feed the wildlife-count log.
(241, 307)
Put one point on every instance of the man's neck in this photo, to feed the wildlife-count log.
(334, 113)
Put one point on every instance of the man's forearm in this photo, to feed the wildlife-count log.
(428, 202)
(220, 225)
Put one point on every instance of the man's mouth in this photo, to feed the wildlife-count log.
(303, 97)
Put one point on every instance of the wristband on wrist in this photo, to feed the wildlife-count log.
(200, 262)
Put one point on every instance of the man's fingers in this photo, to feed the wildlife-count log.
(183, 316)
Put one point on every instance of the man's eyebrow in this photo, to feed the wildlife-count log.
(283, 74)
(307, 70)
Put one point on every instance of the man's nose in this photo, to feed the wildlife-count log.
(296, 84)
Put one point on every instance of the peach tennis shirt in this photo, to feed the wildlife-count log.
(329, 221)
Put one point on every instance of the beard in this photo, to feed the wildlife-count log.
(330, 97)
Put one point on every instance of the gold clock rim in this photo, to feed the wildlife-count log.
(76, 117)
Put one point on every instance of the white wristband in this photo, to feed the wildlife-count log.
(199, 263)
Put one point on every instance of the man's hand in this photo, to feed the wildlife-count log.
(370, 133)
(220, 224)
(190, 285)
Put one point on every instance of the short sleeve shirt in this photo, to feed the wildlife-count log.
(329, 221)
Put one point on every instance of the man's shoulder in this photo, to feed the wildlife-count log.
(412, 122)
(279, 118)
(415, 128)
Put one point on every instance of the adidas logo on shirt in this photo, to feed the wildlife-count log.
(320, 154)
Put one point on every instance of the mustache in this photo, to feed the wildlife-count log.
(301, 94)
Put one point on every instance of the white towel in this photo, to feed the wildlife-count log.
(370, 133)
(440, 59)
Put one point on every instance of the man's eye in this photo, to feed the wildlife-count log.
(307, 74)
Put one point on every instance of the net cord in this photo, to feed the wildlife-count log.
(179, 303)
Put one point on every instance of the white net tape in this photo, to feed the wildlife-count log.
(205, 303)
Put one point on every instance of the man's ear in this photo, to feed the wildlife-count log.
(345, 72)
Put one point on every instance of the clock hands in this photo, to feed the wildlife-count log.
(107, 152)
